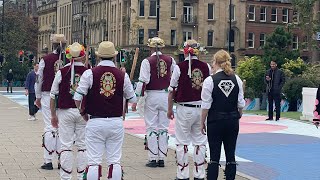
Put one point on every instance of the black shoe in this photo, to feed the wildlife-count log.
(47, 166)
(182, 179)
(198, 178)
(269, 119)
(277, 119)
(161, 163)
(59, 165)
(152, 164)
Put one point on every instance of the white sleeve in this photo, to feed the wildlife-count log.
(175, 78)
(144, 76)
(210, 69)
(39, 79)
(128, 92)
(173, 65)
(241, 101)
(84, 85)
(206, 93)
(55, 85)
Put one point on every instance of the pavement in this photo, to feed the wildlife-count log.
(21, 153)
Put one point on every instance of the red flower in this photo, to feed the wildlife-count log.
(82, 53)
(188, 50)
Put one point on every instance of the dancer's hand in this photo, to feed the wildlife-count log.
(203, 128)
(85, 117)
(37, 102)
(134, 107)
(54, 121)
(27, 92)
(170, 114)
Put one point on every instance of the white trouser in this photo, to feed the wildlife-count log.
(71, 129)
(104, 135)
(157, 124)
(51, 142)
(188, 129)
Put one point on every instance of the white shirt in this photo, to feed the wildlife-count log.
(86, 82)
(57, 80)
(176, 75)
(145, 74)
(207, 88)
(38, 85)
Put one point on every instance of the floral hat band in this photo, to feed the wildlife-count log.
(75, 51)
(191, 47)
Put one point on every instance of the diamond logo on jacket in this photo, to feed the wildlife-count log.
(226, 86)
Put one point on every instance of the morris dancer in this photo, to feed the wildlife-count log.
(185, 90)
(155, 73)
(67, 118)
(48, 65)
(105, 87)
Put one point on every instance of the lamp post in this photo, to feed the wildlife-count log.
(230, 19)
(158, 17)
(2, 24)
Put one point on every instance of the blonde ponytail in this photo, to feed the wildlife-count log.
(222, 58)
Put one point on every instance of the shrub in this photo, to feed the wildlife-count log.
(143, 53)
(293, 68)
(252, 70)
(19, 70)
(293, 88)
(312, 73)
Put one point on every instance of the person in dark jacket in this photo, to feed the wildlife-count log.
(274, 80)
(9, 81)
(29, 87)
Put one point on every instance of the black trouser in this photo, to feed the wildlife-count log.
(9, 85)
(222, 131)
(276, 98)
(33, 109)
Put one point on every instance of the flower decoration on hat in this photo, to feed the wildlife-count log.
(74, 53)
(193, 48)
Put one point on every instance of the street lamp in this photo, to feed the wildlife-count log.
(158, 17)
(53, 27)
(230, 19)
(2, 24)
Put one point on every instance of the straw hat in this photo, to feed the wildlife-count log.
(191, 43)
(57, 38)
(106, 50)
(153, 42)
(75, 51)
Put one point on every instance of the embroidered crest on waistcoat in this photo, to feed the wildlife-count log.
(197, 79)
(226, 86)
(163, 68)
(107, 84)
(73, 88)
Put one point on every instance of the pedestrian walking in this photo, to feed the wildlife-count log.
(9, 81)
(66, 118)
(154, 79)
(274, 80)
(30, 92)
(104, 87)
(222, 104)
(185, 90)
(48, 65)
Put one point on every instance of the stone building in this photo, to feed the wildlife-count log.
(64, 20)
(79, 21)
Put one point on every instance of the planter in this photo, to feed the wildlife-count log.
(308, 100)
(252, 104)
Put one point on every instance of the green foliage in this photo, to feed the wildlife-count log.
(19, 70)
(293, 68)
(293, 88)
(312, 73)
(252, 70)
(277, 47)
(143, 53)
(20, 33)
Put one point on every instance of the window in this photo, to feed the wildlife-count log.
(274, 16)
(305, 43)
(262, 39)
(210, 38)
(173, 9)
(187, 35)
(153, 8)
(263, 14)
(210, 11)
(233, 12)
(251, 40)
(141, 36)
(295, 42)
(252, 13)
(141, 7)
(285, 17)
(173, 37)
(152, 33)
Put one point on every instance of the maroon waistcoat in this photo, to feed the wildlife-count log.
(163, 81)
(48, 71)
(105, 98)
(65, 99)
(189, 89)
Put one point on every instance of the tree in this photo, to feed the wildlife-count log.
(278, 48)
(308, 21)
(20, 33)
(143, 53)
